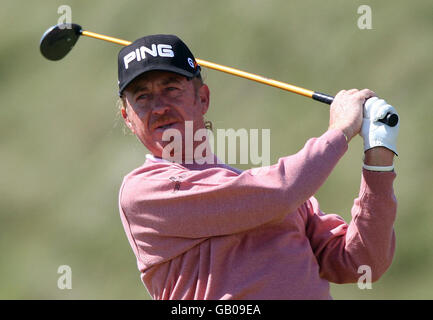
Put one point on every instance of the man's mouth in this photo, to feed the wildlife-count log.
(166, 124)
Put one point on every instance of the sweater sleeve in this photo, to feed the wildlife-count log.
(368, 240)
(168, 200)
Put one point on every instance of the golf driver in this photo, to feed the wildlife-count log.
(58, 40)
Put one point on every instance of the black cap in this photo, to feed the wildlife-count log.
(155, 52)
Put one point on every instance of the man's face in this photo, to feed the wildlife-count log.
(160, 100)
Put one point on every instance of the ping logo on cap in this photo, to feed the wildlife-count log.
(162, 50)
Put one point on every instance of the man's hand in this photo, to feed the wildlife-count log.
(347, 111)
(374, 132)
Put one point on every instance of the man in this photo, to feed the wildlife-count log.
(203, 230)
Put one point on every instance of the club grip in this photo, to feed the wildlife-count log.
(391, 119)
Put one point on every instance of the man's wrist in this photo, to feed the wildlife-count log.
(346, 134)
(379, 156)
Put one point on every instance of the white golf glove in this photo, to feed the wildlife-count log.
(375, 133)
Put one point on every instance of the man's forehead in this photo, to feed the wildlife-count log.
(161, 77)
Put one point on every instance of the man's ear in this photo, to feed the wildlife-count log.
(124, 115)
(204, 96)
(126, 119)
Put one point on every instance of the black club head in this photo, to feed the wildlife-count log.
(58, 40)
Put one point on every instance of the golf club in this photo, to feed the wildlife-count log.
(58, 40)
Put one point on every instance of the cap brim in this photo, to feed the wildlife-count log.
(173, 69)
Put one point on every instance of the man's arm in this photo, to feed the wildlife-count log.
(367, 240)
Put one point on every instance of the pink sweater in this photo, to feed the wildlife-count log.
(211, 232)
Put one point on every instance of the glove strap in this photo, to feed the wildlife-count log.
(378, 168)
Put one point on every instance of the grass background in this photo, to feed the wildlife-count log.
(64, 151)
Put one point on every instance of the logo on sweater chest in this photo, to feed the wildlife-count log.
(177, 181)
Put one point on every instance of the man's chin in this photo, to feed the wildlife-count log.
(168, 150)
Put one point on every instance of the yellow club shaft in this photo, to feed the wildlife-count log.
(215, 66)
(105, 38)
(257, 78)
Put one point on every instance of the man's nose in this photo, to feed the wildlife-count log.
(159, 106)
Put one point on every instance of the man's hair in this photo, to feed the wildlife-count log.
(197, 82)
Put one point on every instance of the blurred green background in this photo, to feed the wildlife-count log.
(64, 150)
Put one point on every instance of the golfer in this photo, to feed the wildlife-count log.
(201, 229)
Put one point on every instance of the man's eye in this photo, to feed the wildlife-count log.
(142, 96)
(172, 89)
